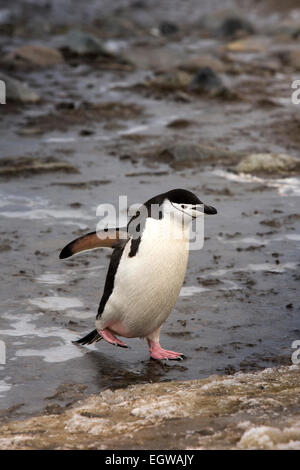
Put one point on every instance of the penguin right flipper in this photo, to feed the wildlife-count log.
(108, 238)
(92, 337)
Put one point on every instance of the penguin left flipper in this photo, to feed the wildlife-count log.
(108, 238)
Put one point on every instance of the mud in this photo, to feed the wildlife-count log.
(102, 135)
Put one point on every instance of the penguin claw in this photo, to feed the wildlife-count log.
(158, 353)
(110, 338)
(122, 345)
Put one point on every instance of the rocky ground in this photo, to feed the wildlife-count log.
(244, 411)
(132, 98)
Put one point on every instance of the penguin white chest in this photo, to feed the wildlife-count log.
(147, 284)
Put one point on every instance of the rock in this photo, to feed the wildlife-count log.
(6, 17)
(226, 24)
(205, 80)
(235, 26)
(249, 45)
(291, 58)
(82, 43)
(84, 114)
(169, 81)
(35, 55)
(29, 131)
(18, 91)
(193, 64)
(179, 124)
(167, 28)
(27, 165)
(269, 163)
(186, 153)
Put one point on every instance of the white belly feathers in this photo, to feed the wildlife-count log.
(146, 285)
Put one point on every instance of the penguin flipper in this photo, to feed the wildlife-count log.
(108, 238)
(92, 337)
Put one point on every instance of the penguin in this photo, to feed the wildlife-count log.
(146, 270)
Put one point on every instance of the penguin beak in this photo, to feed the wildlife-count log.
(210, 210)
(195, 210)
(203, 209)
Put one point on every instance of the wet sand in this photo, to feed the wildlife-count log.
(110, 129)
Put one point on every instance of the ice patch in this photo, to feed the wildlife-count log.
(56, 303)
(231, 285)
(4, 387)
(248, 240)
(25, 328)
(79, 314)
(133, 130)
(285, 186)
(293, 236)
(52, 278)
(55, 354)
(275, 268)
(46, 214)
(59, 140)
(188, 291)
(22, 207)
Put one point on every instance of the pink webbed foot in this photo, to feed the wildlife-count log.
(110, 338)
(157, 352)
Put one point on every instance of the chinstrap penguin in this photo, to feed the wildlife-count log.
(146, 270)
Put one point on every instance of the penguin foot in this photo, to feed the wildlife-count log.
(110, 338)
(158, 353)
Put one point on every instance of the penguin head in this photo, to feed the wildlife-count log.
(179, 203)
(187, 204)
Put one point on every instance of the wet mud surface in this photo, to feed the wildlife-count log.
(137, 127)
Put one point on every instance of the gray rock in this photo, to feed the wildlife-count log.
(166, 28)
(226, 24)
(233, 26)
(30, 165)
(208, 82)
(188, 152)
(18, 91)
(82, 43)
(6, 17)
(205, 80)
(196, 62)
(35, 55)
(291, 58)
(269, 163)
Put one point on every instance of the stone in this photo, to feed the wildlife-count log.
(292, 59)
(186, 152)
(249, 45)
(82, 43)
(205, 80)
(18, 91)
(166, 28)
(234, 26)
(193, 64)
(35, 55)
(226, 24)
(29, 165)
(169, 81)
(268, 163)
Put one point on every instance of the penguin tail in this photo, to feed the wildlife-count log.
(92, 337)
